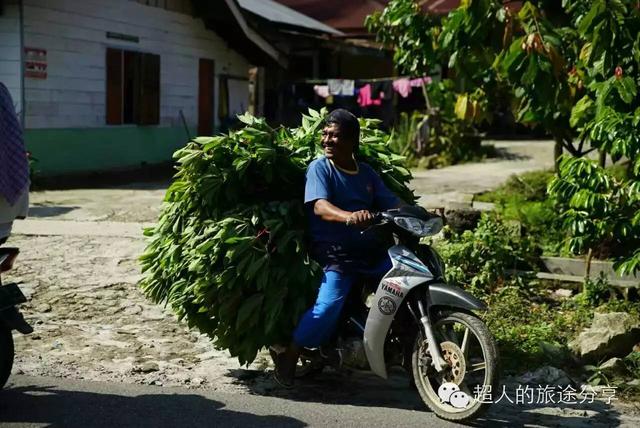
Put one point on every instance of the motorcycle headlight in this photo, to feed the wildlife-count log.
(420, 227)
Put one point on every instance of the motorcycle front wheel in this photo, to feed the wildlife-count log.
(6, 354)
(471, 353)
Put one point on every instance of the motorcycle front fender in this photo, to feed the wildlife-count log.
(407, 273)
(441, 294)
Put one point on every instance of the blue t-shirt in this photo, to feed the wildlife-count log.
(363, 190)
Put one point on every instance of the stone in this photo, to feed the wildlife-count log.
(614, 367)
(197, 381)
(563, 292)
(553, 351)
(460, 220)
(133, 310)
(44, 308)
(147, 367)
(611, 335)
(546, 375)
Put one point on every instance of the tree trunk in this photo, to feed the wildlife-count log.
(557, 152)
(587, 270)
(602, 159)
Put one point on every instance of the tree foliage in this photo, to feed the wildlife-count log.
(571, 67)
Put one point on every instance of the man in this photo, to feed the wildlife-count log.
(14, 166)
(340, 194)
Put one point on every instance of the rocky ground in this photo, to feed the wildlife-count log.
(78, 267)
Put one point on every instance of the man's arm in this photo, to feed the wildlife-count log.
(329, 212)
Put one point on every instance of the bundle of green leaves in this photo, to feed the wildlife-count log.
(228, 254)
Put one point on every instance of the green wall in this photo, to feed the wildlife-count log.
(61, 151)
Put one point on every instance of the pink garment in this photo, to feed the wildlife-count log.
(364, 97)
(321, 90)
(402, 86)
(416, 83)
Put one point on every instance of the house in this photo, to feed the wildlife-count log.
(110, 84)
(315, 53)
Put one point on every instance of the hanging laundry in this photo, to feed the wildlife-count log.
(321, 90)
(402, 86)
(416, 83)
(335, 86)
(342, 87)
(365, 99)
(348, 88)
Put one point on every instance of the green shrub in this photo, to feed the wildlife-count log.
(527, 187)
(484, 259)
(523, 198)
(228, 254)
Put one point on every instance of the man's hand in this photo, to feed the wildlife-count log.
(361, 218)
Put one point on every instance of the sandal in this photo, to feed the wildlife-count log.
(280, 375)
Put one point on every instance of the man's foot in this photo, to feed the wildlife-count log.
(285, 371)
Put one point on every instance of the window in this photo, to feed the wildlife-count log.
(133, 87)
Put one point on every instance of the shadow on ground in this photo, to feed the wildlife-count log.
(365, 389)
(503, 153)
(106, 179)
(41, 211)
(61, 408)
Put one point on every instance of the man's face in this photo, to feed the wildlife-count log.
(334, 143)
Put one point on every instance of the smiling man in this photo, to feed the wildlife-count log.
(340, 194)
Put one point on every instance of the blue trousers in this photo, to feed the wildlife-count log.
(318, 324)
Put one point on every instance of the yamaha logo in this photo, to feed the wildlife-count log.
(386, 305)
(393, 288)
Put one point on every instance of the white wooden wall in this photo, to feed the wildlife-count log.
(74, 34)
(10, 67)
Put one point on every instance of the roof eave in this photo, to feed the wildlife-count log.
(256, 38)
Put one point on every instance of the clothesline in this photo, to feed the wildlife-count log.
(372, 80)
(369, 93)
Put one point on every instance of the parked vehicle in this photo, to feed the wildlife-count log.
(10, 317)
(414, 319)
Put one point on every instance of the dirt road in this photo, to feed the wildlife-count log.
(78, 267)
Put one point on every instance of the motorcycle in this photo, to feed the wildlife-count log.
(10, 317)
(412, 318)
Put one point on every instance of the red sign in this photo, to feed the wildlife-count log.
(35, 63)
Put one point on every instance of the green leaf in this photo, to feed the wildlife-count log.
(249, 310)
(592, 17)
(627, 89)
(582, 109)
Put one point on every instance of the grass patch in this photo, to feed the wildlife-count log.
(528, 187)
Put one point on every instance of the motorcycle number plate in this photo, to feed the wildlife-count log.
(10, 295)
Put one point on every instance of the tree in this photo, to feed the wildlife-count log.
(569, 67)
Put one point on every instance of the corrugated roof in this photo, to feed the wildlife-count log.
(276, 12)
(345, 15)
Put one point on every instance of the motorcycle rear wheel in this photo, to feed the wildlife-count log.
(6, 354)
(456, 348)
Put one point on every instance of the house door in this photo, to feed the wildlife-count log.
(205, 96)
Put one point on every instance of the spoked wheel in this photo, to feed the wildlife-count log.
(6, 354)
(470, 352)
